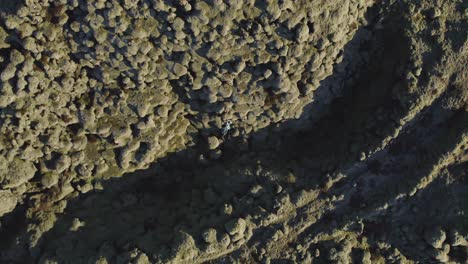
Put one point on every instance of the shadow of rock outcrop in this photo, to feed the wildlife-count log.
(10, 6)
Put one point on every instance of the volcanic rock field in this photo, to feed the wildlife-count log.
(233, 131)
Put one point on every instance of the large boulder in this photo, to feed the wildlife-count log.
(15, 172)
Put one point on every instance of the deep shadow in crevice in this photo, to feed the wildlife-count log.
(10, 6)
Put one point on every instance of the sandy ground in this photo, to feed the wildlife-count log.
(256, 131)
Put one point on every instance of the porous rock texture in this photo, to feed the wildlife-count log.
(348, 141)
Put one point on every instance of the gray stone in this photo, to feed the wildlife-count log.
(30, 44)
(162, 111)
(8, 202)
(16, 57)
(3, 36)
(179, 69)
(302, 33)
(236, 226)
(184, 248)
(100, 35)
(49, 179)
(61, 163)
(213, 142)
(8, 72)
(457, 239)
(16, 172)
(209, 235)
(435, 237)
(256, 190)
(178, 24)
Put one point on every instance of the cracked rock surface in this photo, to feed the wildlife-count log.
(223, 131)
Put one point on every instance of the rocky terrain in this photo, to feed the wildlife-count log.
(228, 131)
